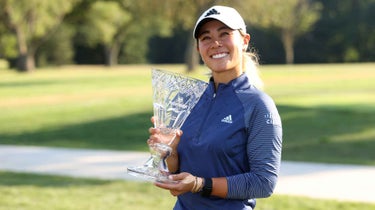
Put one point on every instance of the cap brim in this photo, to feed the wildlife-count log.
(200, 24)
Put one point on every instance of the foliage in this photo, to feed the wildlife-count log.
(32, 21)
(58, 48)
(317, 30)
(291, 18)
(353, 37)
(105, 23)
(7, 41)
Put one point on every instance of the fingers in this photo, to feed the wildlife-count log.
(180, 177)
(176, 140)
(156, 138)
(179, 133)
(153, 132)
(185, 183)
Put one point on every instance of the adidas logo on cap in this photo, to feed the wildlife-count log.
(227, 15)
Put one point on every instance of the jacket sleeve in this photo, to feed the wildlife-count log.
(264, 153)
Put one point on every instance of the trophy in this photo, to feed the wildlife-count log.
(174, 96)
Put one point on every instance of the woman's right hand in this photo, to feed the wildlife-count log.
(156, 136)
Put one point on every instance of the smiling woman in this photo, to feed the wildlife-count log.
(235, 125)
(223, 43)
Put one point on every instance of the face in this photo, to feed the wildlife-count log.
(222, 48)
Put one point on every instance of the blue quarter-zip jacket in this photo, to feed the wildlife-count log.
(233, 132)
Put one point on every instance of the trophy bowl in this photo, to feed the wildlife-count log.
(174, 96)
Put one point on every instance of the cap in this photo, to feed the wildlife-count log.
(227, 15)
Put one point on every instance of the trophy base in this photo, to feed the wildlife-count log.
(150, 174)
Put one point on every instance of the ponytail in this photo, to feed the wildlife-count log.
(250, 66)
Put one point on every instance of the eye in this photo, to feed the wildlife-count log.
(204, 38)
(224, 33)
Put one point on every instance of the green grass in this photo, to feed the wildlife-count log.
(39, 192)
(36, 192)
(327, 110)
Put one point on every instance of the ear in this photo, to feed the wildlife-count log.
(246, 41)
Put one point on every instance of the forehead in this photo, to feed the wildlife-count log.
(211, 24)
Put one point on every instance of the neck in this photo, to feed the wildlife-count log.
(225, 77)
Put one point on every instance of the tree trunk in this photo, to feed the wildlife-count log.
(191, 55)
(111, 54)
(287, 37)
(25, 60)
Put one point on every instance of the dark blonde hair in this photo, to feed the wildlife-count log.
(250, 64)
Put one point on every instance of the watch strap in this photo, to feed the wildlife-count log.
(207, 188)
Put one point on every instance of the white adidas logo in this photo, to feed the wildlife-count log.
(227, 119)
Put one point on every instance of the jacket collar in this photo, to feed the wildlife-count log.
(241, 82)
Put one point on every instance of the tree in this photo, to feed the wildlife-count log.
(291, 18)
(58, 48)
(31, 21)
(104, 23)
(186, 13)
(123, 27)
(7, 42)
(346, 31)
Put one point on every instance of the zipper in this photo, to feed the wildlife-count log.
(212, 101)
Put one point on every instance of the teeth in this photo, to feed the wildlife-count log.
(220, 55)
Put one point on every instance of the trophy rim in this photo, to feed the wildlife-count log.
(178, 74)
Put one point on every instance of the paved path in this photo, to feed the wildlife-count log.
(327, 181)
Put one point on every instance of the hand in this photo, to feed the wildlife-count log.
(156, 136)
(185, 183)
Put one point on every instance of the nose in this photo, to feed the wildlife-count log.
(216, 43)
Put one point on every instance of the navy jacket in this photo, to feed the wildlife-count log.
(234, 132)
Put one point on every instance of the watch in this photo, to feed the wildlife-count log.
(207, 188)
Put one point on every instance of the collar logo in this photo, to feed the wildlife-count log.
(212, 12)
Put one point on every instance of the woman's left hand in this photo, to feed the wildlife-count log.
(185, 183)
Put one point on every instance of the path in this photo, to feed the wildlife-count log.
(327, 181)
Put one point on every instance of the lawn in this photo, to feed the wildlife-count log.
(36, 192)
(328, 114)
(327, 110)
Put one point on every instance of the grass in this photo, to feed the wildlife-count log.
(327, 113)
(326, 109)
(36, 192)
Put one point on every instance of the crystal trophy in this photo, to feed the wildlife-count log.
(174, 96)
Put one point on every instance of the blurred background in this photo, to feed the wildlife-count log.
(39, 33)
(76, 74)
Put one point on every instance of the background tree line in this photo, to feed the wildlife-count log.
(42, 32)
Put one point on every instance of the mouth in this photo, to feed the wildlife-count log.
(219, 55)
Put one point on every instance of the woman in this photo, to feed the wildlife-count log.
(230, 150)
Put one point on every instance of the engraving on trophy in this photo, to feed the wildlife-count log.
(174, 96)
